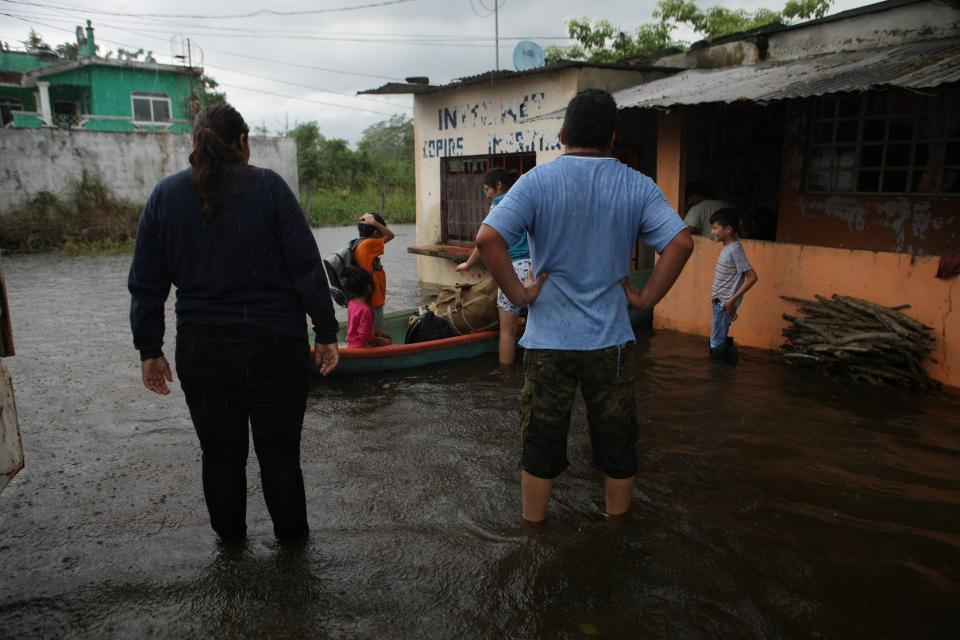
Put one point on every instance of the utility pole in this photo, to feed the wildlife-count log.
(496, 30)
(192, 99)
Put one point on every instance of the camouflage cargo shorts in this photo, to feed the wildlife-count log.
(606, 380)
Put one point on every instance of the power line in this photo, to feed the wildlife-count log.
(481, 42)
(329, 104)
(305, 86)
(228, 53)
(252, 14)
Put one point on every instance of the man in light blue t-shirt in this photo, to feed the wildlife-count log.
(583, 213)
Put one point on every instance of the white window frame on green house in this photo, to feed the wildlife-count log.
(151, 98)
(7, 107)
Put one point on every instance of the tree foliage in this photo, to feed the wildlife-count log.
(34, 40)
(601, 41)
(383, 158)
(208, 91)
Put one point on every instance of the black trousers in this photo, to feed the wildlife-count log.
(234, 376)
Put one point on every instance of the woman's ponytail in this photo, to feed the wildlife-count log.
(217, 148)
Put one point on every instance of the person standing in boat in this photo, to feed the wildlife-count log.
(234, 242)
(583, 213)
(374, 234)
(496, 183)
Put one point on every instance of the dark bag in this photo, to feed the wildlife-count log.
(427, 327)
(333, 266)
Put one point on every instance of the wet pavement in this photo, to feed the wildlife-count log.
(771, 503)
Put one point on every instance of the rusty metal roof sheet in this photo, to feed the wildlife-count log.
(914, 65)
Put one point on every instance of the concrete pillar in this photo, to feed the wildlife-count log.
(671, 159)
(46, 113)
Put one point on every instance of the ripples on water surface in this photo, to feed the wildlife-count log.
(771, 503)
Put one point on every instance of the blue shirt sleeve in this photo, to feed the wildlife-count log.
(659, 223)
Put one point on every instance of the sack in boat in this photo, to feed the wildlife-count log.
(468, 307)
(426, 327)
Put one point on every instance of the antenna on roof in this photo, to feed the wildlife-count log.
(528, 55)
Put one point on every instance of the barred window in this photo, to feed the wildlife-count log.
(892, 142)
(463, 203)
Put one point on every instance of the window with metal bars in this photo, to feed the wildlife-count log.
(463, 204)
(893, 142)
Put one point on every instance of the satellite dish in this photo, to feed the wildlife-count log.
(528, 55)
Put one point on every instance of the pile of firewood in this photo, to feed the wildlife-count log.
(859, 339)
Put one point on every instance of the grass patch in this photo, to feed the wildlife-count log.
(90, 218)
(335, 207)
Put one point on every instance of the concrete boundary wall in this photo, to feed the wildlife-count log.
(802, 271)
(35, 160)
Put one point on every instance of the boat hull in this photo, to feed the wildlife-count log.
(407, 356)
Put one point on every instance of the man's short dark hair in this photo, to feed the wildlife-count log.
(366, 230)
(726, 218)
(701, 189)
(590, 120)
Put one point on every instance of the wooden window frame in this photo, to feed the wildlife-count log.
(830, 113)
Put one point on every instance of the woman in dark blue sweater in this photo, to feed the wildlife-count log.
(233, 241)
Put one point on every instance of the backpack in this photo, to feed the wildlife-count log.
(334, 264)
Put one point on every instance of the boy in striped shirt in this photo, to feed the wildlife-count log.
(733, 277)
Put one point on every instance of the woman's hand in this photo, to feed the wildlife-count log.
(326, 356)
(463, 266)
(156, 374)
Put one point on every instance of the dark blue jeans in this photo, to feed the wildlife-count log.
(234, 376)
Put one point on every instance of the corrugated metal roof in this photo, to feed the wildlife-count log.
(914, 65)
(503, 74)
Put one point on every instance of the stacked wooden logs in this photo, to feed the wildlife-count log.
(859, 339)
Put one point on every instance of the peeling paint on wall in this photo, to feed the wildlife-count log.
(840, 208)
(489, 113)
(523, 141)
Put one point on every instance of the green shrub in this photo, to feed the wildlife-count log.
(89, 215)
(334, 207)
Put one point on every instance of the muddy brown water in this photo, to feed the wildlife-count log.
(771, 503)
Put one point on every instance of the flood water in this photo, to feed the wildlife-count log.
(771, 503)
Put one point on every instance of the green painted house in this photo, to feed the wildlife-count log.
(38, 88)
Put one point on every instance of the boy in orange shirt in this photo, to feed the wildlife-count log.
(373, 235)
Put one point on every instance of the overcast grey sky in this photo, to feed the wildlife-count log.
(441, 39)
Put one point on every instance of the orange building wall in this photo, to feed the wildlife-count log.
(802, 271)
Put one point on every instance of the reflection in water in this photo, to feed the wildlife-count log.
(771, 503)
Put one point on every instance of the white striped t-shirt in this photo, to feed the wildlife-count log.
(731, 265)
